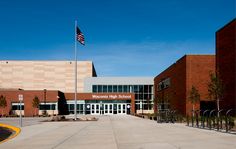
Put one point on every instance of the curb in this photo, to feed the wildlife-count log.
(16, 131)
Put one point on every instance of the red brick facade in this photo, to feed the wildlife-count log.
(226, 63)
(89, 96)
(54, 96)
(187, 71)
(12, 96)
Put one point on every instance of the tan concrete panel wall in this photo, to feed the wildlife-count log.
(38, 75)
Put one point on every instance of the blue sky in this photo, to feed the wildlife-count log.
(123, 37)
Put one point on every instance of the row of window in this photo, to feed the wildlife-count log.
(143, 97)
(163, 84)
(143, 101)
(47, 107)
(143, 106)
(80, 107)
(41, 107)
(122, 88)
(17, 107)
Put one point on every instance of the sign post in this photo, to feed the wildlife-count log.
(20, 97)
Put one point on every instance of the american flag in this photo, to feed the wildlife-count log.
(80, 36)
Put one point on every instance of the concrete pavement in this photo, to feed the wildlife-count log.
(26, 121)
(118, 132)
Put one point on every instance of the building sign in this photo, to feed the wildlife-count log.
(113, 97)
(20, 97)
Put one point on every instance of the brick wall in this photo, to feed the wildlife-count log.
(53, 96)
(187, 71)
(12, 96)
(198, 72)
(226, 63)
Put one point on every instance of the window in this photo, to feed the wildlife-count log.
(140, 88)
(71, 107)
(145, 88)
(120, 88)
(17, 106)
(135, 89)
(136, 96)
(131, 88)
(95, 88)
(110, 88)
(163, 84)
(47, 106)
(140, 96)
(137, 106)
(125, 88)
(146, 97)
(80, 108)
(104, 88)
(114, 88)
(99, 88)
(143, 93)
(150, 89)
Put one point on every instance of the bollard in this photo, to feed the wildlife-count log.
(187, 120)
(217, 119)
(226, 123)
(210, 123)
(207, 121)
(221, 123)
(214, 123)
(192, 121)
(197, 120)
(203, 121)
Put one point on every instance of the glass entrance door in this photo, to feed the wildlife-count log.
(108, 109)
(95, 109)
(121, 109)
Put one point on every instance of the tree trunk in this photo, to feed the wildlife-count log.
(218, 107)
(193, 110)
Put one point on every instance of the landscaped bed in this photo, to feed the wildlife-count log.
(63, 119)
(5, 133)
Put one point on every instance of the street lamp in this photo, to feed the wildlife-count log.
(44, 109)
(20, 97)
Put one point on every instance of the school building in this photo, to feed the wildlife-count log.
(52, 82)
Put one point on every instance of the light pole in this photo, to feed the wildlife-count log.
(163, 115)
(142, 100)
(44, 109)
(142, 106)
(20, 97)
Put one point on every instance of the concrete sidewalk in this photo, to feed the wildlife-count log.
(118, 132)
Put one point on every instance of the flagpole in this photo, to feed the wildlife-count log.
(75, 105)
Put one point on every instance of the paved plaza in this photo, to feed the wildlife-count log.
(26, 121)
(117, 132)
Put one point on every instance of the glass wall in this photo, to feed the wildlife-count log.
(80, 108)
(143, 93)
(16, 106)
(47, 106)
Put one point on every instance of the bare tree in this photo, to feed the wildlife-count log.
(3, 103)
(215, 89)
(194, 97)
(35, 103)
